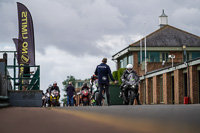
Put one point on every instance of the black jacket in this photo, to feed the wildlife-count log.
(103, 72)
(126, 73)
(70, 90)
(55, 88)
(85, 87)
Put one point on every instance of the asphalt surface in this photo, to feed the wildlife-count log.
(115, 119)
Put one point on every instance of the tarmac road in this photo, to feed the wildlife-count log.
(106, 119)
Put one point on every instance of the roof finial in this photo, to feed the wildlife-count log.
(163, 19)
(163, 14)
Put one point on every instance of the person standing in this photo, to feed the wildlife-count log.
(103, 72)
(70, 92)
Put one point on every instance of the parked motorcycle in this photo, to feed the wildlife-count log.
(130, 89)
(54, 98)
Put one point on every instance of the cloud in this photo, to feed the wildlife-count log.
(114, 43)
(72, 25)
(56, 64)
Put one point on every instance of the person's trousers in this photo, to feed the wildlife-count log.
(70, 99)
(106, 88)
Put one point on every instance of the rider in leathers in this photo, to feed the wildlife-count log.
(84, 87)
(55, 87)
(129, 69)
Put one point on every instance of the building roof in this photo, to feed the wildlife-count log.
(165, 39)
(169, 36)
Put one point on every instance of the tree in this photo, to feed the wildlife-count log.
(69, 78)
(65, 84)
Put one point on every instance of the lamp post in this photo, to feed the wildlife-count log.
(184, 52)
(145, 50)
(172, 57)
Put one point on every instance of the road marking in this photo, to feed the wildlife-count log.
(126, 124)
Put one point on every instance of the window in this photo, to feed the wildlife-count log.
(164, 57)
(80, 84)
(123, 62)
(195, 55)
(191, 55)
(154, 56)
(151, 57)
(143, 57)
(130, 59)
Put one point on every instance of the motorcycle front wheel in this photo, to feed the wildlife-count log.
(132, 97)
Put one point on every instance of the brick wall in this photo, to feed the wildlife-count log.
(156, 89)
(151, 66)
(193, 90)
(156, 65)
(141, 92)
(178, 87)
(193, 84)
(135, 62)
(178, 56)
(167, 91)
(148, 91)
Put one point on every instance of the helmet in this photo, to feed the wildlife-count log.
(50, 85)
(54, 83)
(85, 84)
(129, 66)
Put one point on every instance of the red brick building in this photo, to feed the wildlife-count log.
(171, 84)
(162, 83)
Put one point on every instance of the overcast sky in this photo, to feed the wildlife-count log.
(72, 36)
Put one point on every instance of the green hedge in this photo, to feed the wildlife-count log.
(117, 75)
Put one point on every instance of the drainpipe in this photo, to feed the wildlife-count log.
(188, 80)
(145, 90)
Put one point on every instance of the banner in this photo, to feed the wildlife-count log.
(25, 44)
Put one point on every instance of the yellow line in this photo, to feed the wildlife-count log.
(137, 125)
(130, 124)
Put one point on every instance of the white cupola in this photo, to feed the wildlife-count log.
(163, 19)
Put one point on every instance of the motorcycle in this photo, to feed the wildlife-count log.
(85, 97)
(47, 99)
(43, 100)
(130, 89)
(95, 91)
(54, 98)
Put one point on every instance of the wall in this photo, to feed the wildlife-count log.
(31, 98)
(151, 66)
(166, 78)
